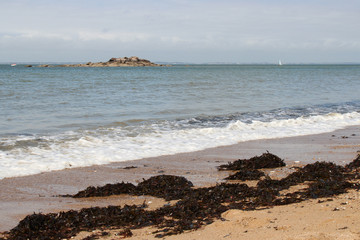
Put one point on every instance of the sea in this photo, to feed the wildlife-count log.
(56, 118)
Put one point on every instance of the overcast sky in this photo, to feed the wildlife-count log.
(253, 31)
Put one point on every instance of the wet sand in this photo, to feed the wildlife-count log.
(38, 193)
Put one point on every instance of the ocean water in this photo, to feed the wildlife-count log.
(56, 118)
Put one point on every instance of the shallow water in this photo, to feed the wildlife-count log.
(53, 118)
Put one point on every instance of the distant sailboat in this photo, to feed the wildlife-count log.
(280, 63)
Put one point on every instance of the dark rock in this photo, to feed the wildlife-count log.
(113, 62)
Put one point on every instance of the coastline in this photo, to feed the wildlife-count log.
(36, 193)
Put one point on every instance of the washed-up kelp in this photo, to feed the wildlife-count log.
(98, 235)
(195, 208)
(107, 190)
(317, 189)
(125, 233)
(244, 175)
(67, 224)
(266, 160)
(311, 172)
(354, 164)
(129, 167)
(327, 188)
(201, 206)
(168, 187)
(223, 192)
(165, 186)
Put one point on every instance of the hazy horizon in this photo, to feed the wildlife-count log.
(203, 31)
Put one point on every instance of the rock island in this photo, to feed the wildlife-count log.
(113, 62)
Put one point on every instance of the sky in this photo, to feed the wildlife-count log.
(196, 31)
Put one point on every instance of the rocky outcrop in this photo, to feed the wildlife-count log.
(113, 62)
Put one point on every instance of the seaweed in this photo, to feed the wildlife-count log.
(125, 233)
(246, 175)
(165, 186)
(96, 236)
(129, 167)
(107, 190)
(326, 188)
(266, 160)
(188, 214)
(319, 170)
(354, 164)
(310, 172)
(224, 193)
(168, 187)
(67, 224)
(195, 206)
(269, 183)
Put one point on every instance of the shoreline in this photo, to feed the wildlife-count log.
(36, 193)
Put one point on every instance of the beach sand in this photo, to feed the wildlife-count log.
(337, 219)
(309, 220)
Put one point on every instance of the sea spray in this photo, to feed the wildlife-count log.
(102, 146)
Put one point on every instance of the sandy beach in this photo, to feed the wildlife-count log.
(312, 219)
(179, 120)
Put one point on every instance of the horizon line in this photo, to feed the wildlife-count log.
(193, 63)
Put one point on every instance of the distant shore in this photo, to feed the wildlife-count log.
(21, 196)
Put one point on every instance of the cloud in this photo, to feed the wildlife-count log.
(29, 35)
(199, 27)
(112, 36)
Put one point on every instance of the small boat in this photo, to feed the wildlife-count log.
(280, 64)
(13, 64)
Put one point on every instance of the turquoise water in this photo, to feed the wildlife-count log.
(52, 118)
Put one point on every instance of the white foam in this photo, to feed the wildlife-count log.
(92, 148)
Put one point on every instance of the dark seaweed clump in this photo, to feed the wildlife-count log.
(107, 190)
(67, 224)
(247, 169)
(195, 208)
(164, 186)
(327, 188)
(354, 164)
(244, 175)
(266, 160)
(311, 172)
